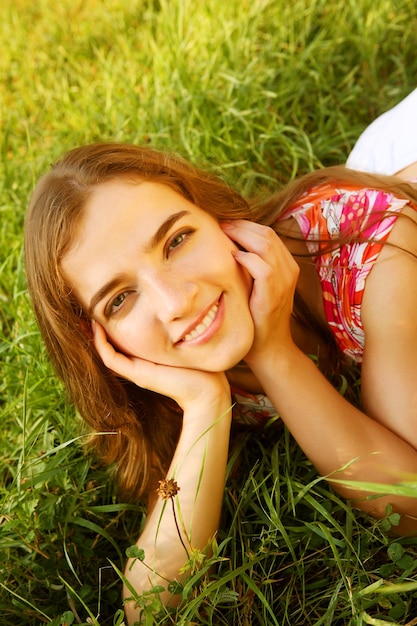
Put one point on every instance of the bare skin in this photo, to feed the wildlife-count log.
(409, 172)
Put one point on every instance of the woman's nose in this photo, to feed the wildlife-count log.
(173, 298)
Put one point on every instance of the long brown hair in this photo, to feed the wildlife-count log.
(134, 428)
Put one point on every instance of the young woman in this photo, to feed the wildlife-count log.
(164, 296)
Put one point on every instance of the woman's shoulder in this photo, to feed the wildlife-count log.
(403, 235)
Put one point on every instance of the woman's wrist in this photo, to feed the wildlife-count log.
(277, 359)
(212, 402)
(209, 412)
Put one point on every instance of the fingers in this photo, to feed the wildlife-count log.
(110, 357)
(253, 237)
(185, 386)
(273, 269)
(265, 252)
(255, 264)
(121, 364)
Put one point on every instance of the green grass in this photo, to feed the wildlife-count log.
(258, 91)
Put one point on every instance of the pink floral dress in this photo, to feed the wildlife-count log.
(324, 214)
(327, 213)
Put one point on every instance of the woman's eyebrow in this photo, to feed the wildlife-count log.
(114, 282)
(165, 227)
(102, 293)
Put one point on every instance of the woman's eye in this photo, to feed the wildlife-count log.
(176, 241)
(117, 303)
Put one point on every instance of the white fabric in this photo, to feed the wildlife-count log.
(390, 143)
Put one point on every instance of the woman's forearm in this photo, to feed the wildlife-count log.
(338, 438)
(190, 519)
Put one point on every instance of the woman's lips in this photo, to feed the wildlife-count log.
(207, 326)
(203, 325)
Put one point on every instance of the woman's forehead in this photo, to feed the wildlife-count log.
(120, 215)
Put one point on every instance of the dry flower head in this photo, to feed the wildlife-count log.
(168, 488)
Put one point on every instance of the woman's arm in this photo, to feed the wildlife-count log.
(338, 438)
(334, 434)
(198, 467)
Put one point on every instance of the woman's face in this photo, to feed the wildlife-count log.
(159, 274)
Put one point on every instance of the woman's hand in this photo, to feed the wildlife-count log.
(275, 275)
(340, 440)
(186, 386)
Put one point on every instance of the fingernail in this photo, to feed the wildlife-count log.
(226, 225)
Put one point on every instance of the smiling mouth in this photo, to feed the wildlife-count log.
(203, 325)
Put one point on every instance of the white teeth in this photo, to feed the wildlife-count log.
(203, 325)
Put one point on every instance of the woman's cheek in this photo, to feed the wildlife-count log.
(123, 339)
(247, 279)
